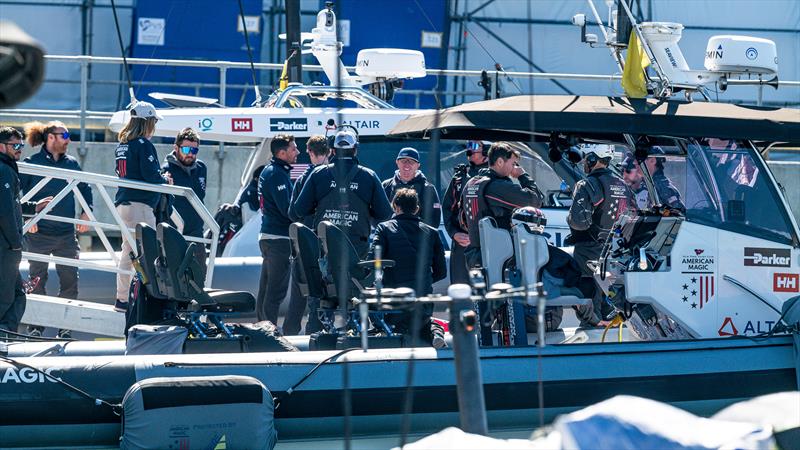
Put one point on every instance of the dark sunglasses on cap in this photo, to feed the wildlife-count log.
(193, 150)
(17, 147)
(64, 134)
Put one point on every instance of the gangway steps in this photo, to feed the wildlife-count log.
(75, 315)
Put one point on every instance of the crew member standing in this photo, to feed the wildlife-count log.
(51, 237)
(12, 294)
(136, 160)
(187, 170)
(418, 256)
(408, 175)
(274, 193)
(318, 152)
(451, 209)
(345, 193)
(492, 193)
(597, 202)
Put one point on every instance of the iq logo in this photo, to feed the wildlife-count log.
(205, 124)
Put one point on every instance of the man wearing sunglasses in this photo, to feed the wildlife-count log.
(187, 170)
(12, 295)
(451, 208)
(51, 237)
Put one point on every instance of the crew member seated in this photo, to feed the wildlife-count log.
(418, 255)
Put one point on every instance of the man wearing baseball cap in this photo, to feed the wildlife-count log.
(408, 175)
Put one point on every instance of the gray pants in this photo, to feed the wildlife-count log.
(274, 283)
(12, 296)
(65, 246)
(131, 215)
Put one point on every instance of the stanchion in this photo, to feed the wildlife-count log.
(463, 323)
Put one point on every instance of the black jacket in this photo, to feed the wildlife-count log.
(193, 177)
(65, 207)
(298, 186)
(416, 250)
(138, 161)
(365, 185)
(597, 202)
(429, 206)
(451, 202)
(274, 192)
(10, 207)
(490, 195)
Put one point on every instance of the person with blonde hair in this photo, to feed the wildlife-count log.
(49, 237)
(136, 160)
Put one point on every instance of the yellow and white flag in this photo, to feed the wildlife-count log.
(636, 61)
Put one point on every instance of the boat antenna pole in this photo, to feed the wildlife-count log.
(257, 101)
(122, 51)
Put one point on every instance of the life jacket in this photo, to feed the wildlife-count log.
(611, 197)
(474, 206)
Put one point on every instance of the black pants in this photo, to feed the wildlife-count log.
(12, 295)
(274, 282)
(297, 307)
(458, 265)
(596, 311)
(65, 246)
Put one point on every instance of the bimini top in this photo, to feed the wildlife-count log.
(516, 118)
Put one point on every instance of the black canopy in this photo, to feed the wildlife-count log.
(516, 118)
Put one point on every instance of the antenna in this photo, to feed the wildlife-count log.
(250, 55)
(122, 51)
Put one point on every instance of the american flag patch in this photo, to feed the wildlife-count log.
(297, 170)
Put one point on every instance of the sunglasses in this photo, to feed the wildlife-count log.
(193, 150)
(64, 134)
(17, 147)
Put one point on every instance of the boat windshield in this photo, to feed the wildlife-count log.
(327, 97)
(719, 183)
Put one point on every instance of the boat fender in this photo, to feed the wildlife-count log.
(198, 412)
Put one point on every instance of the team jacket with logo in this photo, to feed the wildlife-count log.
(138, 161)
(193, 177)
(274, 193)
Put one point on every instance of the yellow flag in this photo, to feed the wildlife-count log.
(284, 80)
(633, 81)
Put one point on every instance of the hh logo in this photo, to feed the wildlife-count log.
(241, 125)
(786, 282)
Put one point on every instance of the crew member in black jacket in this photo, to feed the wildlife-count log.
(451, 209)
(418, 256)
(493, 194)
(274, 193)
(318, 152)
(48, 237)
(408, 175)
(12, 294)
(187, 170)
(136, 160)
(358, 202)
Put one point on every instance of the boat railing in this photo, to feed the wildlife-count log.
(101, 186)
(86, 62)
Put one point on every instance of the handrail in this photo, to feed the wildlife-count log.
(99, 184)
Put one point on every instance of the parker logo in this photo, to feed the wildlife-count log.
(786, 282)
(767, 257)
(288, 124)
(239, 125)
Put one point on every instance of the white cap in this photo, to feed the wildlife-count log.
(345, 139)
(600, 150)
(144, 110)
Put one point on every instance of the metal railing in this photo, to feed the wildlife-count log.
(223, 66)
(100, 184)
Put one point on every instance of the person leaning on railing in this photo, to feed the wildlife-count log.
(49, 237)
(136, 160)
